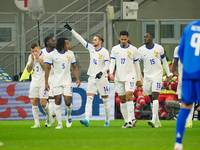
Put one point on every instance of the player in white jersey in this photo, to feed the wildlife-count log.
(37, 86)
(97, 81)
(127, 76)
(151, 54)
(177, 62)
(62, 59)
(50, 44)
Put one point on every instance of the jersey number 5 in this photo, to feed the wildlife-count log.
(195, 42)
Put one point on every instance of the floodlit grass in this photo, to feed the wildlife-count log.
(19, 135)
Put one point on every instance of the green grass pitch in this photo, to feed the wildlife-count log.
(19, 135)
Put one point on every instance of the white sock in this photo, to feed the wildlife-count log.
(46, 110)
(130, 111)
(190, 116)
(35, 112)
(69, 111)
(52, 107)
(88, 107)
(107, 108)
(123, 108)
(58, 113)
(155, 111)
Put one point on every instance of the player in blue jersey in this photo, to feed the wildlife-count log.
(189, 54)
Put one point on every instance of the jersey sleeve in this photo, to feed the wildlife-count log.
(73, 60)
(112, 56)
(176, 53)
(162, 52)
(29, 60)
(106, 56)
(49, 60)
(136, 56)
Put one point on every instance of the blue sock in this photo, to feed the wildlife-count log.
(180, 124)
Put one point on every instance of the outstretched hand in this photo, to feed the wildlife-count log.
(68, 27)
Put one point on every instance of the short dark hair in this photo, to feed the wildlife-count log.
(151, 35)
(47, 39)
(124, 33)
(100, 37)
(33, 45)
(60, 43)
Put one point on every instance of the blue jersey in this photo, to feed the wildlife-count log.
(189, 51)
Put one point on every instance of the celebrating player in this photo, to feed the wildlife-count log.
(50, 44)
(151, 54)
(97, 81)
(189, 55)
(125, 56)
(62, 59)
(37, 86)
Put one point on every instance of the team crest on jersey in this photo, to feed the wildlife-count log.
(68, 57)
(129, 53)
(156, 53)
(100, 56)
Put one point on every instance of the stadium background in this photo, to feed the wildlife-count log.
(166, 19)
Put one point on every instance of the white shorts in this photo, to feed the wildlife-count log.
(150, 86)
(178, 91)
(123, 87)
(98, 85)
(63, 90)
(38, 92)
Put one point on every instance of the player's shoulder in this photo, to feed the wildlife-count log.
(158, 46)
(133, 47)
(70, 52)
(141, 48)
(116, 46)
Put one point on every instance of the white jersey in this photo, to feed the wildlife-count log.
(47, 54)
(152, 61)
(62, 64)
(97, 59)
(38, 72)
(124, 58)
(180, 65)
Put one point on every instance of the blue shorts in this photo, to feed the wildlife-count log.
(190, 91)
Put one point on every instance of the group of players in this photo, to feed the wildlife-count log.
(52, 77)
(53, 65)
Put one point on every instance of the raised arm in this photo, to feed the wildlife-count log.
(76, 35)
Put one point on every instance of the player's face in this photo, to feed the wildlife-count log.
(36, 51)
(147, 38)
(66, 45)
(96, 42)
(124, 40)
(51, 43)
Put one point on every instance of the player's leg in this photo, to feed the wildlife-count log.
(52, 104)
(120, 88)
(130, 88)
(67, 97)
(107, 110)
(187, 100)
(103, 88)
(155, 106)
(189, 118)
(43, 95)
(35, 112)
(58, 91)
(34, 95)
(91, 91)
